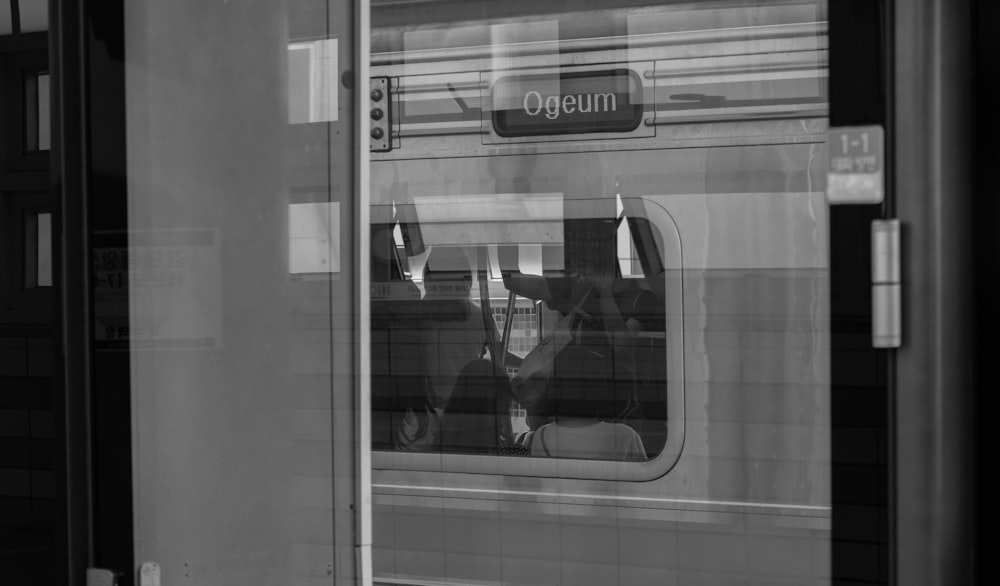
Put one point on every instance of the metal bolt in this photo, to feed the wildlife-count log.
(376, 94)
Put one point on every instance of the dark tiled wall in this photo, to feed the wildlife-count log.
(26, 457)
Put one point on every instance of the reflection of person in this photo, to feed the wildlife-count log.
(419, 430)
(469, 394)
(583, 399)
(454, 333)
(477, 417)
(609, 324)
(594, 322)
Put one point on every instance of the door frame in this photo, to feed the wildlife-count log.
(93, 395)
(86, 56)
(934, 492)
(918, 43)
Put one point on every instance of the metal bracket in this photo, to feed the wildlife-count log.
(887, 328)
(101, 577)
(149, 574)
(381, 115)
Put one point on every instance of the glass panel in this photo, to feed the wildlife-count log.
(44, 246)
(44, 117)
(600, 290)
(38, 250)
(242, 307)
(6, 26)
(312, 81)
(37, 124)
(34, 15)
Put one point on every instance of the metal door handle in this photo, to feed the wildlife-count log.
(887, 327)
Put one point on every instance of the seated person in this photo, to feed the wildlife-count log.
(477, 417)
(594, 320)
(469, 394)
(453, 333)
(583, 400)
(419, 430)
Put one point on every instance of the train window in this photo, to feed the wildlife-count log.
(524, 316)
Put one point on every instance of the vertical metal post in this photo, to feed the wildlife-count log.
(363, 466)
(934, 447)
(74, 521)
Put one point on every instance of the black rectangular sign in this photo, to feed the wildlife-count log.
(567, 103)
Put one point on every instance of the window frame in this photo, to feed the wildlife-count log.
(388, 461)
(14, 71)
(18, 302)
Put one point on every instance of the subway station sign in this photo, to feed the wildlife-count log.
(567, 103)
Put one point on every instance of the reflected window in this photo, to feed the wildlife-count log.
(314, 238)
(313, 82)
(37, 128)
(34, 16)
(38, 250)
(628, 255)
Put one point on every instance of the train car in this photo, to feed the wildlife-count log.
(675, 154)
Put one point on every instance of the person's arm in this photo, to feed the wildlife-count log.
(512, 359)
(620, 332)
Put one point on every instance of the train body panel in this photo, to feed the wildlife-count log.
(737, 487)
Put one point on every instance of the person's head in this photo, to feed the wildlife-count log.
(583, 383)
(447, 273)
